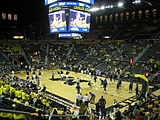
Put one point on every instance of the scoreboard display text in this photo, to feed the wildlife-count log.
(47, 2)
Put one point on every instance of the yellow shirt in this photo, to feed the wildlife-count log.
(7, 86)
(10, 115)
(12, 90)
(44, 101)
(3, 114)
(60, 112)
(18, 116)
(1, 91)
(5, 90)
(23, 95)
(18, 94)
(27, 97)
(33, 95)
(1, 83)
(15, 100)
(47, 104)
(26, 103)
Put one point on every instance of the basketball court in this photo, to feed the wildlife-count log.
(58, 87)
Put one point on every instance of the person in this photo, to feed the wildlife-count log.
(81, 71)
(54, 112)
(27, 78)
(27, 75)
(120, 83)
(84, 21)
(61, 75)
(95, 78)
(118, 86)
(52, 75)
(86, 99)
(118, 115)
(37, 81)
(77, 21)
(92, 99)
(33, 75)
(67, 75)
(78, 87)
(78, 81)
(57, 21)
(13, 72)
(108, 117)
(97, 108)
(136, 111)
(83, 109)
(75, 112)
(39, 74)
(137, 90)
(130, 86)
(78, 99)
(101, 81)
(102, 104)
(111, 77)
(43, 89)
(115, 105)
(105, 85)
(90, 84)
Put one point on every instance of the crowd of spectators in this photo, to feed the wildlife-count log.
(26, 96)
(148, 109)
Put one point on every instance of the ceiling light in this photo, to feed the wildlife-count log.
(102, 8)
(120, 4)
(94, 9)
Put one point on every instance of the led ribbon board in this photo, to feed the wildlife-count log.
(70, 35)
(60, 4)
(47, 2)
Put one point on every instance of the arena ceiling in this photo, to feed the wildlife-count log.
(126, 2)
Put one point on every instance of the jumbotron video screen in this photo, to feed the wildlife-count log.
(79, 21)
(57, 21)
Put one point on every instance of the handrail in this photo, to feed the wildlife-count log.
(16, 112)
(28, 114)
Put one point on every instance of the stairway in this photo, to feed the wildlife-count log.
(70, 51)
(5, 56)
(25, 57)
(142, 53)
(47, 53)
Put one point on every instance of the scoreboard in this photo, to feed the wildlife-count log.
(69, 16)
